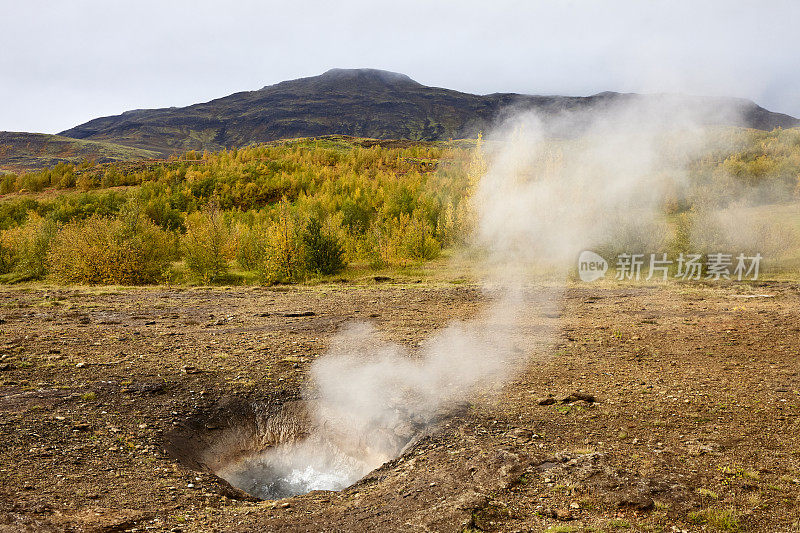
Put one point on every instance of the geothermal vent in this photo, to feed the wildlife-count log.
(272, 449)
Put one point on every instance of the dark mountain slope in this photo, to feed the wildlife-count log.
(365, 103)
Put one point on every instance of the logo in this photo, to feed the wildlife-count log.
(591, 266)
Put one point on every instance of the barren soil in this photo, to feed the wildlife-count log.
(693, 426)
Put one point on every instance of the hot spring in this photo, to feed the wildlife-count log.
(273, 449)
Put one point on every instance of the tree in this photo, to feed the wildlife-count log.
(324, 254)
(208, 244)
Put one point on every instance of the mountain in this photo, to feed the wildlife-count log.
(21, 151)
(367, 103)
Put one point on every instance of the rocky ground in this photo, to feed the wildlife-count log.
(655, 408)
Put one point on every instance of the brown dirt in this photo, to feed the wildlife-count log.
(694, 425)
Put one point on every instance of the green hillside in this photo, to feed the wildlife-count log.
(27, 151)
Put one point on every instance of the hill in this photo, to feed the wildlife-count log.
(27, 151)
(368, 103)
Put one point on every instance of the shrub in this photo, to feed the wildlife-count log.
(70, 207)
(251, 245)
(8, 183)
(681, 238)
(6, 256)
(418, 240)
(26, 248)
(163, 215)
(323, 253)
(284, 258)
(33, 181)
(130, 250)
(208, 245)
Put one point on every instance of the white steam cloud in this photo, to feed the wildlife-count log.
(542, 200)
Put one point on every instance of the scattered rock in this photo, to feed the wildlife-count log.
(635, 500)
(471, 500)
(546, 401)
(521, 433)
(563, 514)
(695, 448)
(563, 457)
(154, 387)
(579, 396)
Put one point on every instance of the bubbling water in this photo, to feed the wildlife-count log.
(294, 468)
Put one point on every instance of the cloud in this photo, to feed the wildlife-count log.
(65, 63)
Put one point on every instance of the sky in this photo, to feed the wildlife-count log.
(65, 62)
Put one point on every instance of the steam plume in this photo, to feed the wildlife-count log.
(548, 193)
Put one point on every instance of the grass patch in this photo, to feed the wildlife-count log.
(720, 519)
(706, 493)
(583, 451)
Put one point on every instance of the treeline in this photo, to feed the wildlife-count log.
(282, 212)
(279, 211)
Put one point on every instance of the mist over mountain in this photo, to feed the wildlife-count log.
(367, 103)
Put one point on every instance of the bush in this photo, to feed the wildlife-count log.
(14, 213)
(6, 256)
(208, 245)
(8, 183)
(284, 258)
(79, 206)
(33, 181)
(25, 248)
(323, 253)
(419, 242)
(680, 241)
(251, 245)
(127, 251)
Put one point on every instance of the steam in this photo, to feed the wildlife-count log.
(547, 194)
(371, 399)
(545, 199)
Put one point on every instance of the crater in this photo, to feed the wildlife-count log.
(272, 449)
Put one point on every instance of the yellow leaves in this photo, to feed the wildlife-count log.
(24, 249)
(110, 251)
(282, 253)
(208, 244)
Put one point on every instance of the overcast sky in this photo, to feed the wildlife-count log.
(64, 62)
